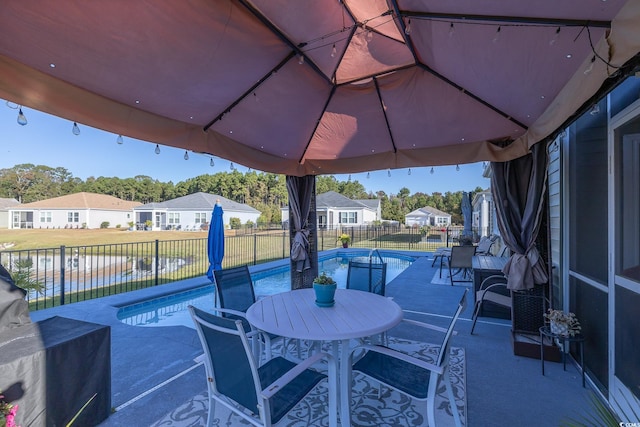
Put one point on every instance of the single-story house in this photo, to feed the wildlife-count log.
(484, 214)
(5, 204)
(427, 216)
(78, 210)
(333, 210)
(191, 212)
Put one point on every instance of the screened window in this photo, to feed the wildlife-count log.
(73, 216)
(201, 217)
(588, 196)
(628, 200)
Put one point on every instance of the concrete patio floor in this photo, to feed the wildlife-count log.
(153, 368)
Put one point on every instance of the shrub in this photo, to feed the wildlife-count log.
(235, 223)
(104, 224)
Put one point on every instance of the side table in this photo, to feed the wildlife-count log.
(545, 331)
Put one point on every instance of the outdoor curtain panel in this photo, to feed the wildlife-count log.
(518, 188)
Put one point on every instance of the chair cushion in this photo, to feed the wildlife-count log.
(403, 376)
(283, 401)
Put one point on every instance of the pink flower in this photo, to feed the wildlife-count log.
(11, 417)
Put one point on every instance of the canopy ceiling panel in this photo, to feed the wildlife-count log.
(319, 86)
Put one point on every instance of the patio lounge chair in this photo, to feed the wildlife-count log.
(410, 375)
(235, 380)
(487, 292)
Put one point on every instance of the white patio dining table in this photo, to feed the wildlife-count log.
(354, 315)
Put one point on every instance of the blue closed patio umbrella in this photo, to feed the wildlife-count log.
(215, 242)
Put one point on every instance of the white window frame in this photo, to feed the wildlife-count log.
(173, 218)
(73, 216)
(348, 217)
(45, 216)
(201, 217)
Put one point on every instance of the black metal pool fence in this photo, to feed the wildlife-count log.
(67, 274)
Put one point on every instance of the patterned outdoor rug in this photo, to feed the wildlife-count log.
(392, 409)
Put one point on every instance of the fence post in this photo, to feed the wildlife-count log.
(157, 249)
(255, 248)
(62, 273)
(284, 242)
(447, 236)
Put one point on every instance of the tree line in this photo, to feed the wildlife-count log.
(266, 192)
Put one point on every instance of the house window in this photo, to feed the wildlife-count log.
(442, 220)
(45, 216)
(73, 217)
(201, 217)
(348, 217)
(174, 218)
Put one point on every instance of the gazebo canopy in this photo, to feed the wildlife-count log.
(320, 86)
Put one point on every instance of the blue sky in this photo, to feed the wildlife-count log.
(48, 140)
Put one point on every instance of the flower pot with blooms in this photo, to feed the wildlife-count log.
(562, 323)
(325, 289)
(345, 239)
(7, 413)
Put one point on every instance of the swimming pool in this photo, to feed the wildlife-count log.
(171, 310)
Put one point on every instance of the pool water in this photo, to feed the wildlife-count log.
(171, 310)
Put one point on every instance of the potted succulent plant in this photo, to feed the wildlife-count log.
(562, 323)
(325, 289)
(345, 239)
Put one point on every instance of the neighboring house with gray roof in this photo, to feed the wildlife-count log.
(427, 216)
(5, 204)
(334, 210)
(78, 210)
(192, 211)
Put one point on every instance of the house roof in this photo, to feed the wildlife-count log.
(82, 200)
(7, 203)
(331, 199)
(370, 203)
(428, 211)
(198, 201)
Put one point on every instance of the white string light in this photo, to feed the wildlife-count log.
(120, 140)
(432, 170)
(589, 69)
(157, 149)
(75, 129)
(497, 36)
(555, 37)
(22, 119)
(186, 155)
(211, 162)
